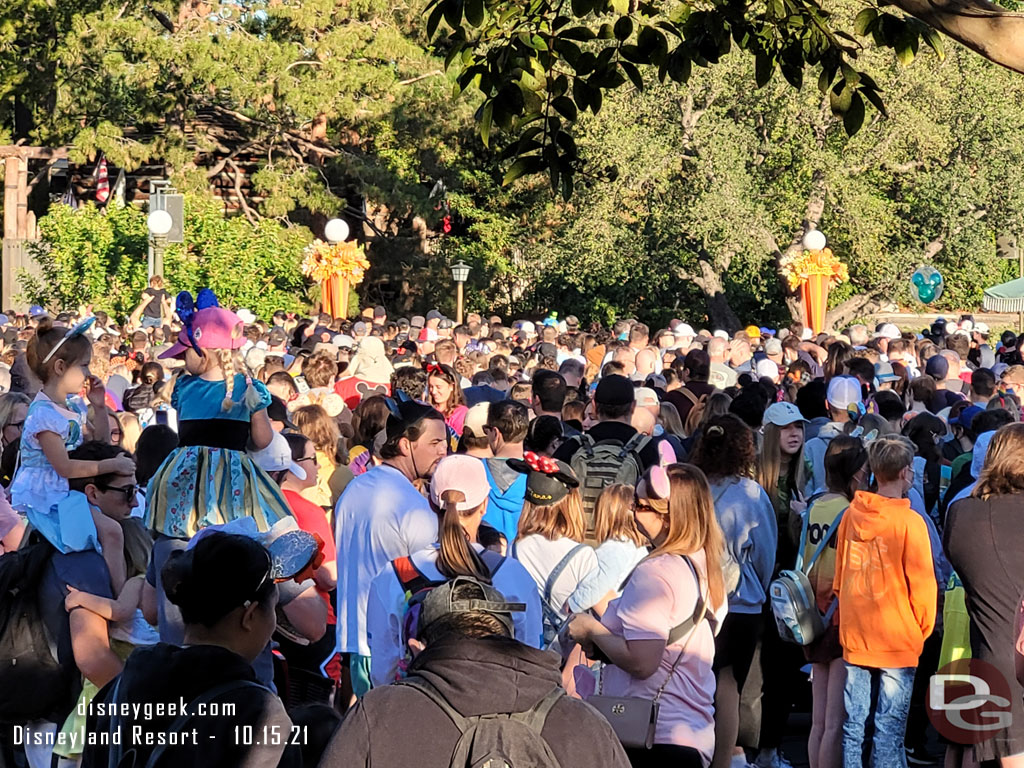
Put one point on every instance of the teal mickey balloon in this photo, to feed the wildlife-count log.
(926, 284)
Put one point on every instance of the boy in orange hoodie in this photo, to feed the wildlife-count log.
(887, 593)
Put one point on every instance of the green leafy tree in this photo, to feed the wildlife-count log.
(98, 257)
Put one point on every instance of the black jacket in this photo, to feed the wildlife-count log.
(166, 674)
(397, 726)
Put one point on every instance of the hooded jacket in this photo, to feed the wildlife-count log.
(885, 582)
(254, 735)
(814, 454)
(476, 677)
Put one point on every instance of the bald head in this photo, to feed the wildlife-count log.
(643, 421)
(646, 359)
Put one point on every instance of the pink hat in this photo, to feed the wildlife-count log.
(460, 473)
(213, 328)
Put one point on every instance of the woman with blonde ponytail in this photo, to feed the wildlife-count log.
(659, 637)
(458, 493)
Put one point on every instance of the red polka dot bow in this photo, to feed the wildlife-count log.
(539, 463)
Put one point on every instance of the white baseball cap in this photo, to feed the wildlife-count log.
(782, 415)
(767, 369)
(646, 397)
(981, 328)
(682, 330)
(720, 334)
(888, 331)
(277, 456)
(843, 391)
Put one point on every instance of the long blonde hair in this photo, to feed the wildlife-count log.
(1003, 473)
(613, 515)
(553, 521)
(769, 464)
(692, 526)
(229, 366)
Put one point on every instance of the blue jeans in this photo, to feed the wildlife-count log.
(891, 707)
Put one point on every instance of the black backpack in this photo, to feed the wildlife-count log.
(33, 685)
(511, 740)
(600, 464)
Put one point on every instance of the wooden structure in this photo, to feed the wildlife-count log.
(19, 221)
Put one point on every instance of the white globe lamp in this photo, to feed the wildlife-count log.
(159, 223)
(814, 240)
(336, 231)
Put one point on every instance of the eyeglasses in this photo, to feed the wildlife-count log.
(17, 424)
(641, 506)
(309, 458)
(129, 491)
(263, 582)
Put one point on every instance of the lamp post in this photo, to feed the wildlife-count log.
(460, 273)
(159, 224)
(336, 291)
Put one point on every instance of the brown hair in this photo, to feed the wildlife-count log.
(156, 281)
(456, 556)
(456, 398)
(74, 350)
(1003, 473)
(725, 448)
(315, 423)
(693, 527)
(769, 463)
(319, 370)
(613, 515)
(553, 521)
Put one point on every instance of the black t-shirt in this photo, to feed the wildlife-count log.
(153, 309)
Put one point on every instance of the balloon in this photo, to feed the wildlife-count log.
(336, 231)
(814, 240)
(926, 284)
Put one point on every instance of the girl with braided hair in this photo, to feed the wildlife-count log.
(210, 479)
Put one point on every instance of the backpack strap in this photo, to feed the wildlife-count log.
(694, 400)
(549, 585)
(824, 542)
(409, 575)
(430, 691)
(587, 443)
(634, 445)
(493, 561)
(803, 530)
(535, 717)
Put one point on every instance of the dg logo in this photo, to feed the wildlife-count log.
(619, 709)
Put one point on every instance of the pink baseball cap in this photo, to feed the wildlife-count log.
(460, 473)
(213, 328)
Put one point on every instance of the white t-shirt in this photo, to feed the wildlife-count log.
(379, 518)
(540, 556)
(387, 608)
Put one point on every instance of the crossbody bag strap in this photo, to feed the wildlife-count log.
(693, 631)
(803, 531)
(549, 585)
(115, 753)
(824, 542)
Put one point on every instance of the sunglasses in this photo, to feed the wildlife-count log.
(129, 491)
(263, 582)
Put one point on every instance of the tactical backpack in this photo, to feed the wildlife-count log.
(512, 740)
(600, 464)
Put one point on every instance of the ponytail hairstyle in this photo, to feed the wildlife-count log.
(74, 349)
(457, 557)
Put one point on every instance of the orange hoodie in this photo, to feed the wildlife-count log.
(885, 580)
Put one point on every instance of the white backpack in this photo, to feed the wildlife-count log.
(792, 597)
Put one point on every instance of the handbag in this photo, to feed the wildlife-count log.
(633, 718)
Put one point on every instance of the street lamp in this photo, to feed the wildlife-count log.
(460, 273)
(814, 240)
(159, 224)
(336, 231)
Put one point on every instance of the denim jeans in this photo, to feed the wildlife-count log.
(891, 707)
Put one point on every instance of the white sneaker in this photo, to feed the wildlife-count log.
(771, 758)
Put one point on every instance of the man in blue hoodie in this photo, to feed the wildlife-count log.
(843, 392)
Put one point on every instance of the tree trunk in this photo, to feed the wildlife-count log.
(992, 31)
(720, 312)
(854, 307)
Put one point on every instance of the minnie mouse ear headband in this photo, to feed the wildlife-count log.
(654, 488)
(547, 481)
(72, 333)
(206, 325)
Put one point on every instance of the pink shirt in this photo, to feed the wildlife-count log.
(660, 595)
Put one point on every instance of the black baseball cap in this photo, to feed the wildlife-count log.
(441, 602)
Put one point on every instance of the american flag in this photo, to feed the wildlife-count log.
(102, 182)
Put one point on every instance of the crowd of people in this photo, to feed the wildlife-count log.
(396, 541)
